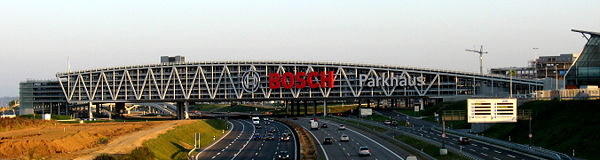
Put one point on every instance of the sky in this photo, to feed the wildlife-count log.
(37, 37)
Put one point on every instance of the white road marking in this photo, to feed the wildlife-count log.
(399, 157)
(320, 145)
(474, 145)
(484, 154)
(247, 141)
(496, 158)
(485, 148)
(511, 156)
(208, 147)
(497, 151)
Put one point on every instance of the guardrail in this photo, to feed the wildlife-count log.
(538, 151)
(229, 126)
(306, 142)
(421, 138)
(402, 144)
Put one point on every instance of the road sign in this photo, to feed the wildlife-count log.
(492, 110)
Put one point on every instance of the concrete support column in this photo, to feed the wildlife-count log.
(324, 108)
(369, 103)
(180, 110)
(287, 110)
(315, 108)
(378, 100)
(185, 110)
(421, 102)
(90, 113)
(305, 108)
(297, 108)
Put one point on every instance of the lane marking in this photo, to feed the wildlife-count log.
(320, 145)
(484, 154)
(399, 157)
(497, 151)
(247, 141)
(208, 147)
(511, 156)
(485, 148)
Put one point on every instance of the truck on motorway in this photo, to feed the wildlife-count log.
(314, 124)
(255, 120)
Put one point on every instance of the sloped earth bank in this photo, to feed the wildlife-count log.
(65, 141)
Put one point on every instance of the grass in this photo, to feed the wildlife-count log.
(557, 125)
(176, 143)
(140, 153)
(39, 116)
(206, 107)
(429, 149)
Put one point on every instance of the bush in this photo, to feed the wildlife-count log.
(105, 157)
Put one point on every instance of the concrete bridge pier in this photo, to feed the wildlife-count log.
(305, 108)
(182, 110)
(90, 111)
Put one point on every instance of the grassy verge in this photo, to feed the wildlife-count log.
(206, 107)
(561, 126)
(140, 153)
(430, 149)
(176, 143)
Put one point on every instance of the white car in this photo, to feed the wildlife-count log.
(344, 138)
(364, 151)
(342, 127)
(387, 122)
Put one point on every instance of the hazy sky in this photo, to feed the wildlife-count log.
(36, 37)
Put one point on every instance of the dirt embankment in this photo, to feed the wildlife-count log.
(64, 141)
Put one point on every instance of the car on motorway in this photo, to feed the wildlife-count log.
(267, 123)
(258, 126)
(283, 155)
(256, 136)
(387, 122)
(273, 130)
(394, 123)
(324, 125)
(364, 151)
(295, 118)
(270, 136)
(271, 120)
(265, 118)
(464, 140)
(342, 127)
(344, 138)
(314, 125)
(328, 140)
(255, 120)
(285, 137)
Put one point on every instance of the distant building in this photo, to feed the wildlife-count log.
(586, 70)
(169, 59)
(541, 68)
(42, 96)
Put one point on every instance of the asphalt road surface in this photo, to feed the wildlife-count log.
(477, 148)
(239, 145)
(348, 150)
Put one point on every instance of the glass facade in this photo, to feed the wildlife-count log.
(586, 70)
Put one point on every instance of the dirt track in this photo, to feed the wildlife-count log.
(68, 141)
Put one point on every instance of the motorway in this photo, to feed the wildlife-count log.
(477, 148)
(349, 150)
(239, 145)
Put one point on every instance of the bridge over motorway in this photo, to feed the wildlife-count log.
(187, 83)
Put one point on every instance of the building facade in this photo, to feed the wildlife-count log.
(586, 70)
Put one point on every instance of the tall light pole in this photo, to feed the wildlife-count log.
(480, 52)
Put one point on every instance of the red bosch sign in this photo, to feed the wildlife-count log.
(301, 80)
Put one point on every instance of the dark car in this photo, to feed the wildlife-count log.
(394, 123)
(295, 118)
(324, 125)
(273, 130)
(283, 155)
(256, 136)
(464, 140)
(258, 126)
(285, 137)
(328, 140)
(270, 136)
(267, 123)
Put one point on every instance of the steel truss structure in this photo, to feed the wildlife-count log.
(224, 81)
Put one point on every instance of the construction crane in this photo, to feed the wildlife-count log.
(480, 52)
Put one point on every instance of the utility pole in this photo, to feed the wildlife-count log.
(480, 52)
